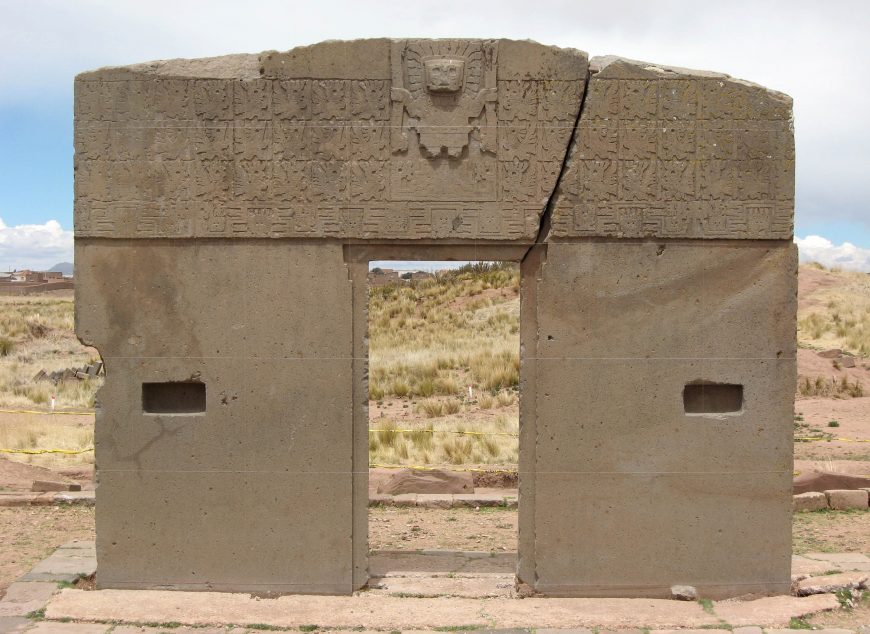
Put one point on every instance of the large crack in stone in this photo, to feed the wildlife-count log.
(544, 226)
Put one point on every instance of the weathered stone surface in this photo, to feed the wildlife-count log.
(844, 500)
(428, 481)
(49, 485)
(773, 610)
(10, 624)
(812, 501)
(23, 597)
(338, 139)
(684, 593)
(631, 323)
(674, 153)
(831, 583)
(226, 210)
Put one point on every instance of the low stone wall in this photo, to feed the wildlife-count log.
(837, 500)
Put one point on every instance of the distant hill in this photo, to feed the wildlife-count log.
(64, 267)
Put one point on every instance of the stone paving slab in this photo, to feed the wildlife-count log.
(771, 610)
(429, 586)
(65, 564)
(385, 563)
(10, 624)
(371, 611)
(24, 597)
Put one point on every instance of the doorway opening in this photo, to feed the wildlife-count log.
(443, 414)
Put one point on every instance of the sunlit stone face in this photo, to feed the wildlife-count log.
(444, 74)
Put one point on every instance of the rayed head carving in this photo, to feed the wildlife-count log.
(444, 74)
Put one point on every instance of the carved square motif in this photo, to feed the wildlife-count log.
(329, 99)
(676, 140)
(91, 140)
(166, 142)
(130, 142)
(291, 98)
(722, 99)
(213, 99)
(168, 99)
(602, 100)
(718, 140)
(637, 139)
(328, 180)
(639, 99)
(517, 100)
(560, 100)
(677, 179)
(253, 140)
(327, 140)
(212, 140)
(598, 141)
(289, 139)
(253, 99)
(370, 99)
(252, 179)
(638, 180)
(600, 180)
(717, 180)
(518, 139)
(369, 140)
(368, 180)
(211, 179)
(755, 179)
(678, 99)
(519, 180)
(290, 181)
(92, 179)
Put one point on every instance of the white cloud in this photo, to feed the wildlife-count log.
(823, 251)
(36, 247)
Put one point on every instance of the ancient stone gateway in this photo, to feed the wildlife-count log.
(226, 210)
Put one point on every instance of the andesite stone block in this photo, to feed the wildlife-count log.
(226, 210)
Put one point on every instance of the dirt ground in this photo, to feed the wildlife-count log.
(30, 534)
(832, 532)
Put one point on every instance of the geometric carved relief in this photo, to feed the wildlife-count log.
(662, 153)
(443, 149)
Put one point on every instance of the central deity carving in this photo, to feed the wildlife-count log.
(444, 92)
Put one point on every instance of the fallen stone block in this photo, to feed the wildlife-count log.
(833, 353)
(844, 500)
(821, 481)
(44, 486)
(434, 481)
(847, 361)
(812, 501)
(831, 583)
(684, 593)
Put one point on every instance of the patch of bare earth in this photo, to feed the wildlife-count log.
(831, 532)
(411, 528)
(32, 533)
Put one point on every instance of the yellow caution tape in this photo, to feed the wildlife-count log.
(50, 412)
(42, 451)
(821, 438)
(445, 431)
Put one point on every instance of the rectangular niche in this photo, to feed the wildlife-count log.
(712, 398)
(177, 397)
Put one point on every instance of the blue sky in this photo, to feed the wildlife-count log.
(817, 52)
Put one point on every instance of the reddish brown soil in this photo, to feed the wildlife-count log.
(811, 365)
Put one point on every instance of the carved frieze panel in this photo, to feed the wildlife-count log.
(444, 125)
(660, 153)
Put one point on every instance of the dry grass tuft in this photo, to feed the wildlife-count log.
(837, 314)
(36, 333)
(830, 388)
